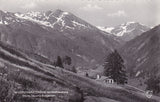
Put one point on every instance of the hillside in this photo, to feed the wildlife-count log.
(30, 74)
(142, 53)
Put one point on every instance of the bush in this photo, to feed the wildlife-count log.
(153, 83)
(6, 91)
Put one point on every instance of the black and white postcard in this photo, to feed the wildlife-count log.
(79, 50)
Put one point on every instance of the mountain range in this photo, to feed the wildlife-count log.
(59, 33)
(126, 31)
(56, 33)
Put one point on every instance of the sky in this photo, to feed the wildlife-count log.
(97, 12)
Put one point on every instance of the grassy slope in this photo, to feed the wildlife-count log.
(90, 86)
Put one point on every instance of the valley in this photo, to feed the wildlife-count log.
(33, 44)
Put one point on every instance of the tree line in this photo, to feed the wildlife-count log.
(60, 62)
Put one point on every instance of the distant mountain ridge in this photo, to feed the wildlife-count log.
(57, 19)
(126, 31)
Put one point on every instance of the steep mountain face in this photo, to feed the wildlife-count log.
(142, 53)
(126, 31)
(54, 33)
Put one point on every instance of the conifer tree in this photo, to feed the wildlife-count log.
(74, 69)
(59, 62)
(67, 60)
(115, 69)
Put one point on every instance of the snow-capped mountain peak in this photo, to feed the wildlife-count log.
(36, 17)
(126, 31)
(106, 29)
(57, 19)
(124, 28)
(48, 18)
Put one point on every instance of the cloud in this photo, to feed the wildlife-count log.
(90, 7)
(120, 13)
(30, 5)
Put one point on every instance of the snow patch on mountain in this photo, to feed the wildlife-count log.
(43, 19)
(3, 22)
(60, 19)
(36, 17)
(34, 14)
(68, 27)
(126, 31)
(22, 16)
(123, 31)
(77, 23)
(138, 73)
(106, 29)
